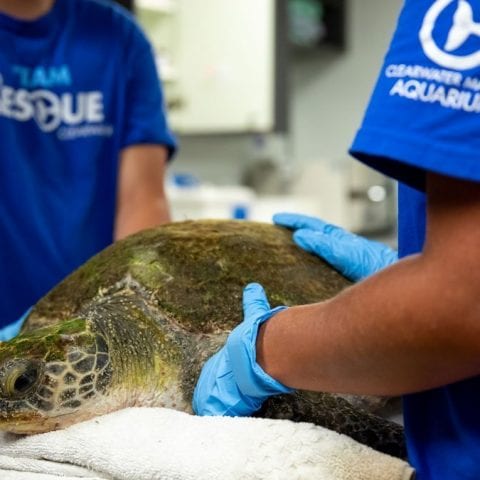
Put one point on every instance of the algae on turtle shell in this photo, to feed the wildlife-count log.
(134, 325)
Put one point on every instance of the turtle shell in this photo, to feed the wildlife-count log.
(196, 271)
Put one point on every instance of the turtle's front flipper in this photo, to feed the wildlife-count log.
(335, 413)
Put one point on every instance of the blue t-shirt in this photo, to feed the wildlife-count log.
(76, 86)
(424, 115)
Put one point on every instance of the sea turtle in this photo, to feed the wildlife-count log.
(134, 325)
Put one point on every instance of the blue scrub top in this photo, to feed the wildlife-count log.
(76, 87)
(424, 116)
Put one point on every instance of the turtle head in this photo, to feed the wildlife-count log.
(49, 377)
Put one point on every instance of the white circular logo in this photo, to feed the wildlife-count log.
(462, 29)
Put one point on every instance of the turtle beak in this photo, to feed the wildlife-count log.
(17, 417)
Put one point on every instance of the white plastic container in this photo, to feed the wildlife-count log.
(193, 202)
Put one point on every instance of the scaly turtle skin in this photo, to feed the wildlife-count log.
(135, 324)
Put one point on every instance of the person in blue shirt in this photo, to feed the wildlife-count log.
(84, 136)
(410, 325)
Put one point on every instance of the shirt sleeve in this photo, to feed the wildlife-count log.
(424, 111)
(145, 113)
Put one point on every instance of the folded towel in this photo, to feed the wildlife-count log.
(163, 444)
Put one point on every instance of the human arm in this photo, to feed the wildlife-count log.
(141, 198)
(412, 326)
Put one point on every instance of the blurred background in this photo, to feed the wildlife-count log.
(265, 97)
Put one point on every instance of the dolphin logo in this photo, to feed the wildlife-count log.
(463, 27)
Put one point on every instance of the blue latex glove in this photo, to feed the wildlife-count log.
(11, 330)
(231, 382)
(353, 256)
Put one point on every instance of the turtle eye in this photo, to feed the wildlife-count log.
(20, 378)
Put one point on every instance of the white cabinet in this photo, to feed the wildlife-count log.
(218, 62)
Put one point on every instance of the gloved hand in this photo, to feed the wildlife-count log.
(11, 330)
(231, 382)
(354, 256)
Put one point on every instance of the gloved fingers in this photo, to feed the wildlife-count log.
(296, 221)
(22, 319)
(353, 256)
(12, 330)
(217, 392)
(300, 222)
(384, 255)
(338, 233)
(341, 257)
(231, 382)
(255, 301)
(205, 396)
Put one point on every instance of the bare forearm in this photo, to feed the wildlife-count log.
(145, 211)
(141, 201)
(409, 328)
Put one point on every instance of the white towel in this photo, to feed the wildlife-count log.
(163, 444)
